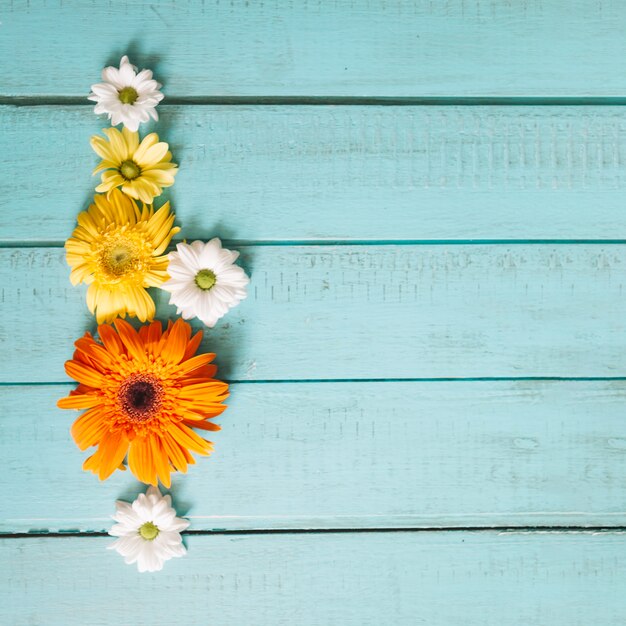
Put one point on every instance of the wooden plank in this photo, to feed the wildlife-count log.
(340, 173)
(349, 455)
(275, 48)
(440, 579)
(362, 312)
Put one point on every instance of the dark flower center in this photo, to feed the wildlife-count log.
(140, 397)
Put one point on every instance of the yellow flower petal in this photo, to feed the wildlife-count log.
(151, 157)
(148, 141)
(117, 250)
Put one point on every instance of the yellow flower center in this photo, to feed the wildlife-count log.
(122, 255)
(149, 531)
(128, 95)
(118, 259)
(205, 279)
(130, 170)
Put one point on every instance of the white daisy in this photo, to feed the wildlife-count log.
(204, 282)
(126, 97)
(148, 531)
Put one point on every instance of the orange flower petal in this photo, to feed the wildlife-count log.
(174, 348)
(194, 363)
(83, 374)
(89, 428)
(130, 339)
(174, 453)
(193, 345)
(79, 401)
(204, 425)
(161, 461)
(113, 448)
(111, 340)
(186, 437)
(144, 392)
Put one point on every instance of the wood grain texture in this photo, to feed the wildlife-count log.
(379, 48)
(348, 455)
(361, 312)
(399, 579)
(374, 452)
(340, 173)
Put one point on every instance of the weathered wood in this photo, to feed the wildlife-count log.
(361, 312)
(404, 579)
(348, 455)
(340, 173)
(379, 48)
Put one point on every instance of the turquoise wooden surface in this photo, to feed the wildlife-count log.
(364, 173)
(351, 455)
(359, 579)
(367, 312)
(338, 48)
(435, 332)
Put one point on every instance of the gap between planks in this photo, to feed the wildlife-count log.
(316, 381)
(8, 244)
(590, 530)
(469, 101)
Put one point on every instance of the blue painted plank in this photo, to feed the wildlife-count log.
(340, 173)
(348, 455)
(275, 48)
(399, 579)
(362, 312)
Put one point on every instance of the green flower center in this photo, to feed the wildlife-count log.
(205, 279)
(148, 531)
(128, 95)
(129, 169)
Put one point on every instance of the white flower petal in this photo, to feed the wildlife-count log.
(188, 257)
(187, 296)
(112, 75)
(142, 507)
(128, 546)
(177, 269)
(127, 73)
(153, 494)
(178, 283)
(142, 78)
(106, 95)
(148, 554)
(191, 301)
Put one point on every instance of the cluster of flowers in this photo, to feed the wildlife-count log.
(143, 391)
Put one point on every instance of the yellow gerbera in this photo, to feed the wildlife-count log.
(140, 169)
(117, 249)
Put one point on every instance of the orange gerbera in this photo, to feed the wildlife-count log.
(144, 392)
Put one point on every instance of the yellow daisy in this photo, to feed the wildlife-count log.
(117, 249)
(140, 169)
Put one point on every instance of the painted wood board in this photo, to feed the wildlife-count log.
(363, 312)
(348, 455)
(346, 173)
(363, 579)
(298, 451)
(402, 48)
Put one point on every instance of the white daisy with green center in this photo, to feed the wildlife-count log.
(127, 97)
(204, 280)
(148, 531)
